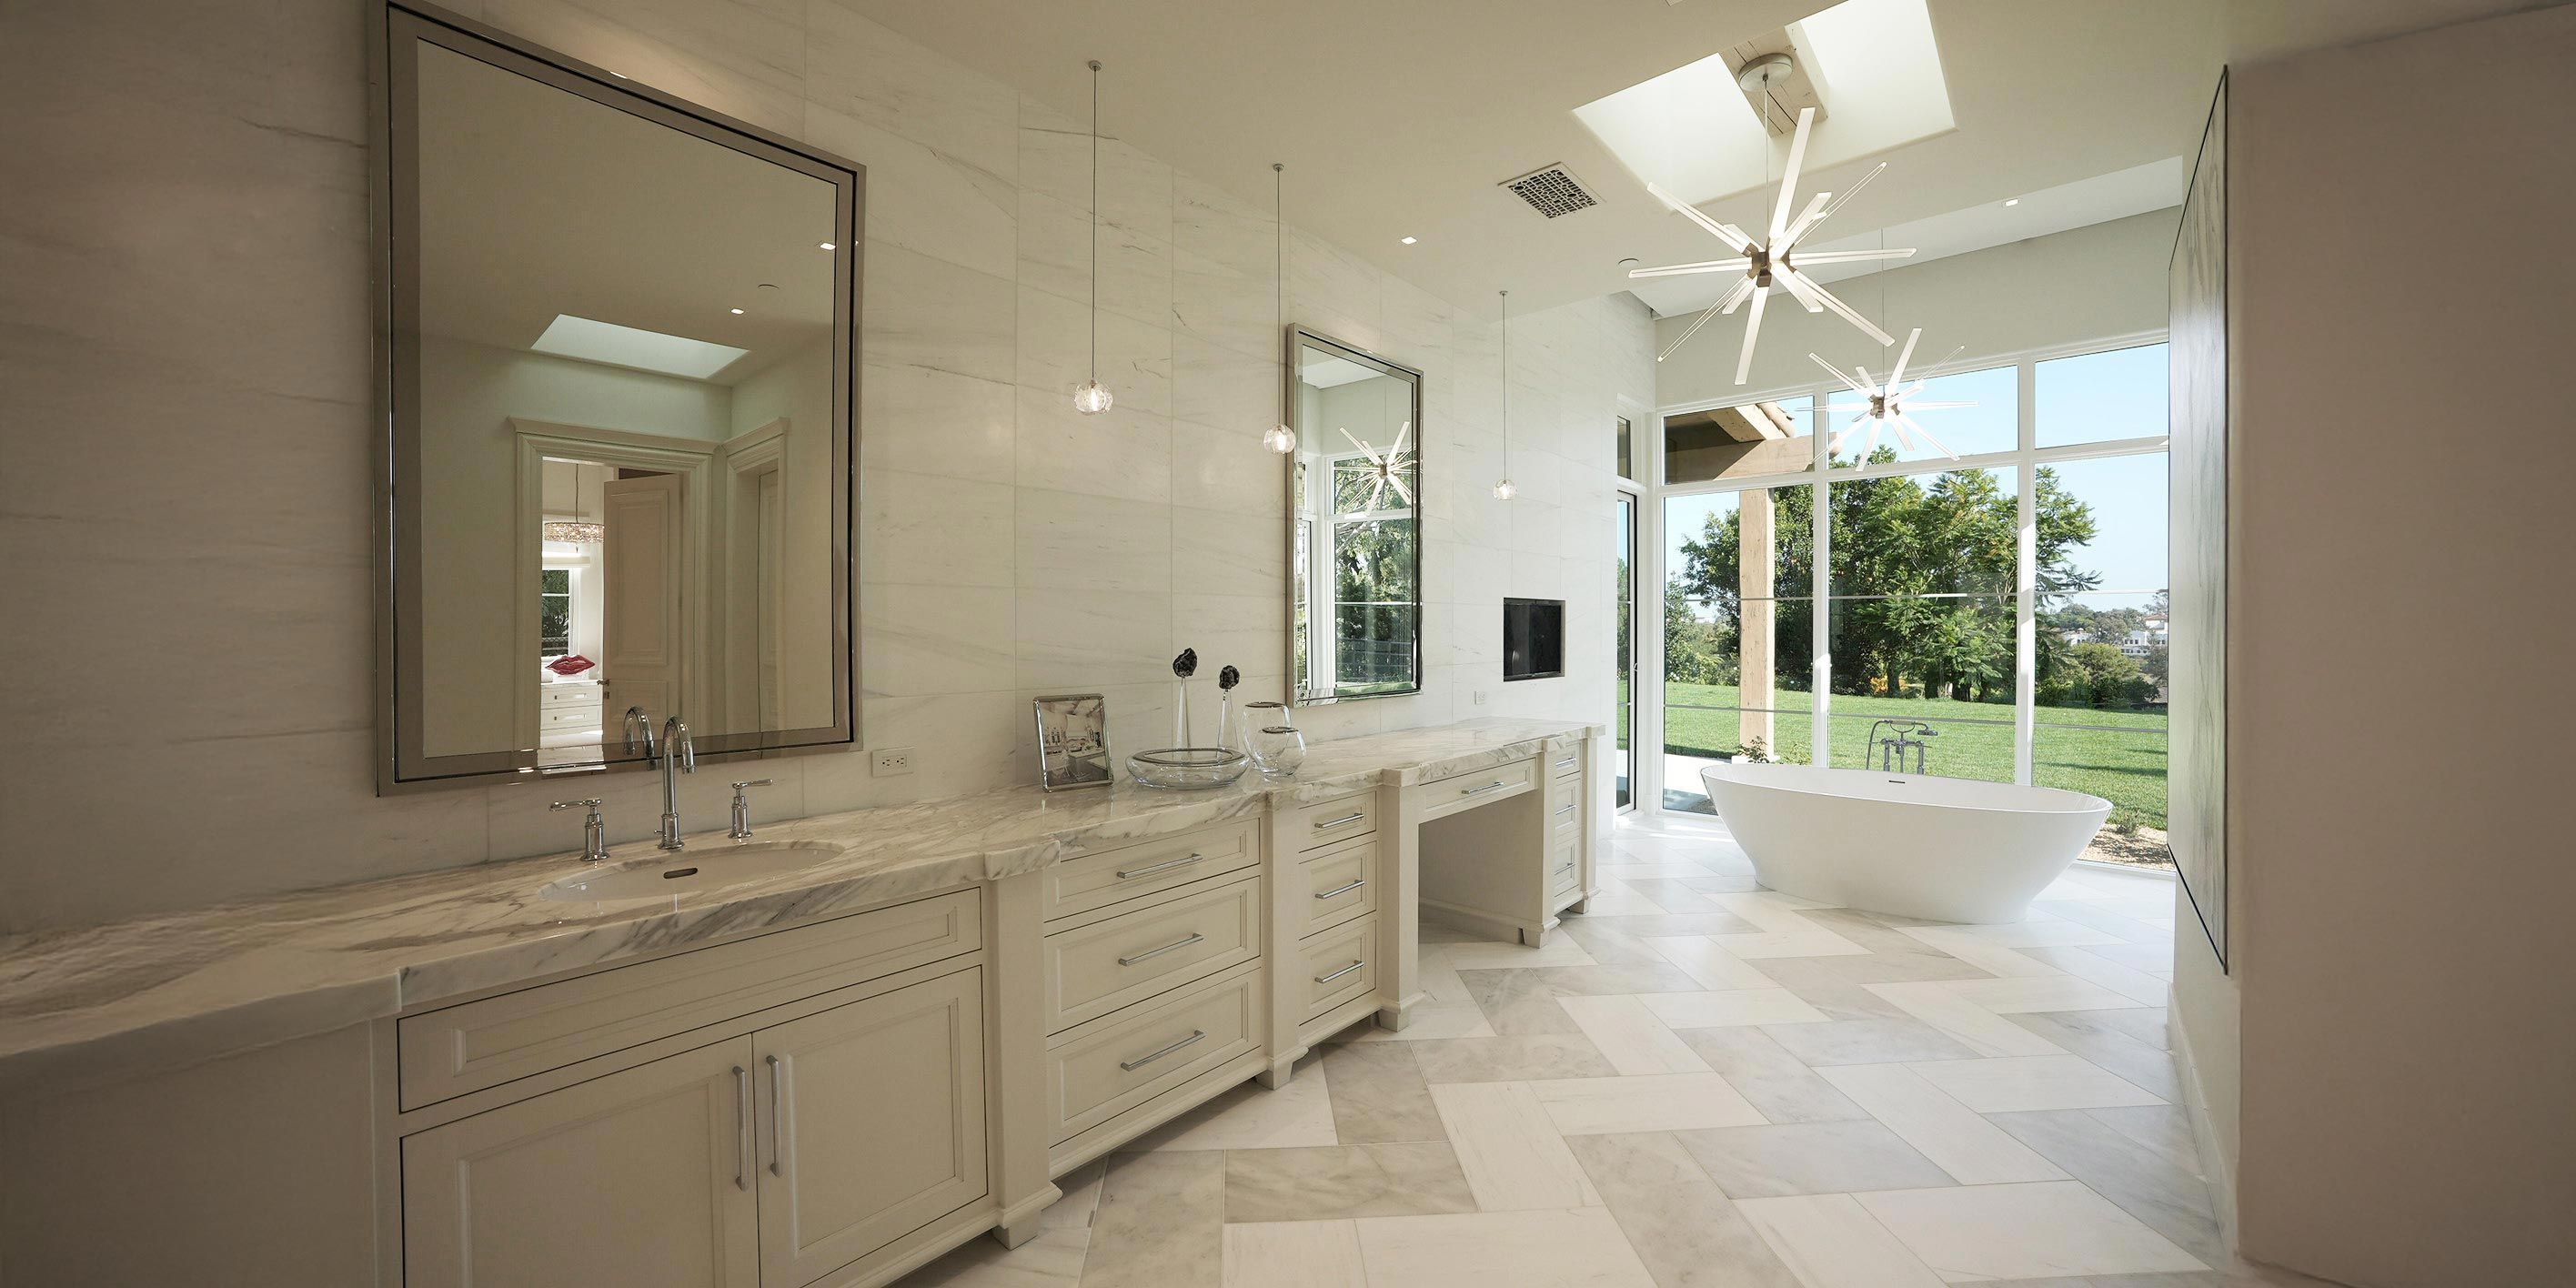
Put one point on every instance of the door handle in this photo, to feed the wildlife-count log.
(778, 1111)
(742, 1146)
(1195, 937)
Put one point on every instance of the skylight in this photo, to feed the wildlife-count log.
(1691, 132)
(640, 350)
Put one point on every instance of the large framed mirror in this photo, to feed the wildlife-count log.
(1355, 516)
(617, 378)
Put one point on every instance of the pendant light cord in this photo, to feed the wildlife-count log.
(1095, 221)
(1507, 384)
(1279, 227)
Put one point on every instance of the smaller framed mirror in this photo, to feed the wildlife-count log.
(1355, 522)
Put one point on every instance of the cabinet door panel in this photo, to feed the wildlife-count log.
(873, 1118)
(630, 1179)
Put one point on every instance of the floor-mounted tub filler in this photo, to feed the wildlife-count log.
(1947, 849)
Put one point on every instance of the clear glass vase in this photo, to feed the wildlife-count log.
(1277, 750)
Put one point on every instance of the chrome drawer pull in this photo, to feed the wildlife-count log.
(1338, 893)
(1344, 821)
(1566, 763)
(742, 1145)
(1131, 1066)
(1494, 786)
(1133, 873)
(1327, 979)
(1567, 809)
(1194, 938)
(1569, 867)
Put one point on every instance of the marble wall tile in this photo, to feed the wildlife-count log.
(1221, 469)
(918, 420)
(745, 58)
(924, 312)
(1055, 352)
(1055, 161)
(1335, 292)
(1215, 552)
(1073, 641)
(930, 529)
(1056, 242)
(1223, 388)
(860, 69)
(1124, 452)
(925, 640)
(1070, 542)
(923, 199)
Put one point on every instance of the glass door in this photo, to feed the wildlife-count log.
(1627, 655)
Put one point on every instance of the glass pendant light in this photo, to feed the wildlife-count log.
(1280, 438)
(1093, 398)
(1503, 489)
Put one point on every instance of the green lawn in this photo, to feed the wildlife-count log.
(2120, 759)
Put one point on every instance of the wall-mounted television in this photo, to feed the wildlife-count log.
(1533, 638)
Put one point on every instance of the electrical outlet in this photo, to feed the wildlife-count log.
(893, 760)
(1480, 697)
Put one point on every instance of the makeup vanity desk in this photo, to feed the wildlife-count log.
(989, 991)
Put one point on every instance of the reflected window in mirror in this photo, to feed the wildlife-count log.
(619, 417)
(1356, 547)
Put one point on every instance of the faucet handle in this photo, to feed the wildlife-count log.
(593, 803)
(741, 829)
(751, 782)
(594, 829)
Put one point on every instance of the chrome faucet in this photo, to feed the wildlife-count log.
(1890, 750)
(594, 830)
(741, 829)
(639, 726)
(679, 756)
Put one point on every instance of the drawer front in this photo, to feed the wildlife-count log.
(1334, 821)
(569, 718)
(1096, 967)
(449, 1052)
(1103, 1070)
(1115, 876)
(1564, 866)
(1338, 966)
(559, 695)
(1567, 763)
(1341, 883)
(1446, 796)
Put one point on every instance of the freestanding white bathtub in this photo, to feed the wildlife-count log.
(1946, 849)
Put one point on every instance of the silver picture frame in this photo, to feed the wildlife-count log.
(1073, 742)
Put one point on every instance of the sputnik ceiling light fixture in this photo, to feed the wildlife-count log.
(1093, 398)
(1503, 489)
(1386, 471)
(1889, 405)
(1768, 262)
(1280, 438)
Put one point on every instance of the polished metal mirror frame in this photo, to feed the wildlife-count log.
(393, 32)
(1297, 339)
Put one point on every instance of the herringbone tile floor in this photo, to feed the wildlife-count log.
(1699, 1083)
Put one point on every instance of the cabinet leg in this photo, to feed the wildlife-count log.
(1577, 906)
(1279, 1072)
(1013, 1235)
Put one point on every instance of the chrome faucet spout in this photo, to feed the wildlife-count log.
(679, 756)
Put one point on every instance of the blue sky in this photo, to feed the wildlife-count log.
(2093, 398)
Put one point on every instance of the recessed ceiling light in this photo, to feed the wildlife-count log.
(825, 245)
(1408, 241)
(2014, 201)
(737, 312)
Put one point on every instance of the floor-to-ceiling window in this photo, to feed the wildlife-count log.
(1990, 600)
(1626, 593)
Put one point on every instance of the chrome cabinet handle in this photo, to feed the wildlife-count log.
(1565, 762)
(1194, 938)
(778, 1102)
(1338, 893)
(1130, 1066)
(1344, 821)
(742, 1120)
(1327, 979)
(1494, 786)
(1130, 874)
(1567, 809)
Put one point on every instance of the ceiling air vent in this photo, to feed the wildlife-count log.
(1551, 191)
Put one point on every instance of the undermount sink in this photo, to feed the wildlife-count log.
(687, 871)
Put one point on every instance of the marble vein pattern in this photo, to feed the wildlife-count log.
(168, 988)
(1816, 1149)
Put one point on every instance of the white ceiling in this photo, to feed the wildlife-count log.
(537, 202)
(1398, 119)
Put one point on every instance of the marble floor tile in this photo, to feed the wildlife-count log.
(1769, 910)
(1686, 923)
(2024, 1231)
(1051, 1260)
(1787, 943)
(1488, 955)
(1631, 1037)
(1620, 897)
(1518, 1002)
(2018, 994)
(1671, 895)
(1294, 1254)
(1562, 1249)
(1432, 1022)
(1604, 980)
(2144, 1181)
(1379, 1094)
(2152, 1068)
(1711, 966)
(1342, 1181)
(1962, 1142)
(1081, 1200)
(2146, 957)
(1973, 1026)
(1511, 1059)
(2166, 1129)
(1776, 1082)
(1830, 1241)
(2039, 932)
(1251, 1116)
(1160, 1223)
(1510, 1149)
(2032, 1082)
(1608, 944)
(1838, 986)
(1682, 1225)
(1993, 958)
(2141, 987)
(1712, 1010)
(1809, 1158)
(1867, 1042)
(1657, 1102)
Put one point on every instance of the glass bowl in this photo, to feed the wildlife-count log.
(1188, 768)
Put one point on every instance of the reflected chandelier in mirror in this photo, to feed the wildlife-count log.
(617, 381)
(1355, 525)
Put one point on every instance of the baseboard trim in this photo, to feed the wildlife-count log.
(2214, 1170)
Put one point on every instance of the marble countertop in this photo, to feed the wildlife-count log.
(166, 990)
